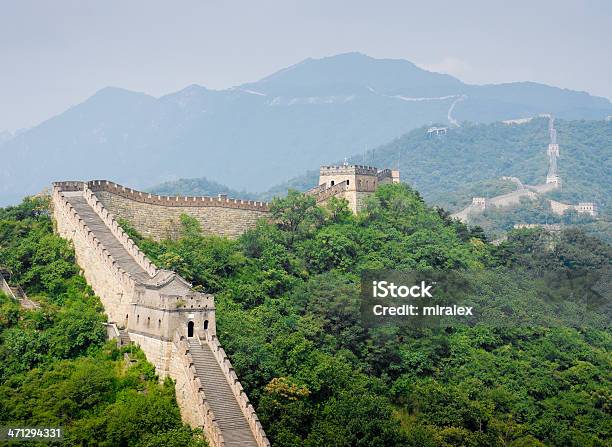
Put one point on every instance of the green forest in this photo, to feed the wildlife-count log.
(287, 299)
(287, 296)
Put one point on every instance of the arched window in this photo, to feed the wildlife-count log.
(333, 183)
(190, 329)
(158, 323)
(148, 321)
(205, 324)
(347, 182)
(137, 319)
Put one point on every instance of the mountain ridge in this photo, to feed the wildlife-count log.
(262, 133)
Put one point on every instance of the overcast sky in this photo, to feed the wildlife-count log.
(54, 54)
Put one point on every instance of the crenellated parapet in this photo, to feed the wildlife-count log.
(177, 201)
(199, 407)
(64, 209)
(348, 170)
(236, 387)
(160, 312)
(118, 232)
(159, 217)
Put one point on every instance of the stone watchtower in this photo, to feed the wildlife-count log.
(352, 182)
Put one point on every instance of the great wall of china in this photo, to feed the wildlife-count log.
(531, 192)
(158, 310)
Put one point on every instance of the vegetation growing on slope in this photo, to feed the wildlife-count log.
(287, 296)
(55, 368)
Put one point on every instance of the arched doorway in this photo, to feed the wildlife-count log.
(190, 329)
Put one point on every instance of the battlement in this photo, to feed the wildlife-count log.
(351, 182)
(348, 170)
(179, 201)
(159, 311)
(547, 227)
(479, 202)
(158, 216)
(587, 208)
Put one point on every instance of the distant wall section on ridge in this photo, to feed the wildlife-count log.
(158, 216)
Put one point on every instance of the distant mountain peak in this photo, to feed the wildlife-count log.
(348, 73)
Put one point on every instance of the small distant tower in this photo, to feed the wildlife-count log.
(587, 208)
(354, 182)
(479, 202)
(553, 153)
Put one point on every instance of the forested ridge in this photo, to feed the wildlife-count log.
(470, 161)
(56, 369)
(287, 299)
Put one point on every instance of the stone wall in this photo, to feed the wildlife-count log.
(190, 397)
(236, 387)
(152, 305)
(114, 286)
(159, 216)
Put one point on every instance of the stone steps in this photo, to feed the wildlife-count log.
(232, 422)
(108, 239)
(124, 337)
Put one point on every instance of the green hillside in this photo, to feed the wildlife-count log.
(287, 298)
(441, 167)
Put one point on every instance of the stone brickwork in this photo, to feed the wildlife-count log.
(195, 410)
(157, 307)
(159, 216)
(351, 182)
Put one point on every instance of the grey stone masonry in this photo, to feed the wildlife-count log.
(158, 216)
(159, 311)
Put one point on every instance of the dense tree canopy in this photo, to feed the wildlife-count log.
(287, 296)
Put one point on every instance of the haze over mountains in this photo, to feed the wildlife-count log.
(259, 134)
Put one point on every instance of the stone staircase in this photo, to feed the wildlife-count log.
(15, 291)
(228, 415)
(218, 408)
(105, 236)
(124, 338)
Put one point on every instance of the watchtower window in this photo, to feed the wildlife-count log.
(205, 324)
(148, 321)
(347, 182)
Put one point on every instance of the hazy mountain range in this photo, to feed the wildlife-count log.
(259, 134)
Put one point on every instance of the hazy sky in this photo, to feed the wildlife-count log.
(54, 54)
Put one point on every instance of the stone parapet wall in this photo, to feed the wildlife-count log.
(512, 198)
(176, 201)
(161, 220)
(236, 387)
(316, 190)
(195, 409)
(112, 284)
(349, 169)
(118, 232)
(338, 188)
(152, 304)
